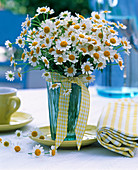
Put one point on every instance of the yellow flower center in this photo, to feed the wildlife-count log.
(100, 64)
(0, 140)
(81, 16)
(17, 148)
(120, 63)
(28, 23)
(53, 152)
(103, 21)
(63, 44)
(37, 152)
(25, 31)
(18, 134)
(34, 59)
(41, 36)
(125, 43)
(70, 33)
(121, 25)
(76, 27)
(73, 38)
(47, 40)
(20, 41)
(19, 74)
(90, 47)
(11, 59)
(34, 133)
(84, 50)
(93, 30)
(81, 35)
(54, 85)
(57, 22)
(116, 56)
(46, 29)
(107, 43)
(112, 31)
(70, 70)
(37, 50)
(100, 35)
(96, 56)
(41, 137)
(42, 10)
(95, 42)
(83, 26)
(51, 49)
(97, 16)
(113, 40)
(6, 144)
(98, 48)
(88, 78)
(60, 59)
(99, 26)
(46, 74)
(106, 53)
(59, 52)
(32, 52)
(34, 43)
(89, 39)
(72, 57)
(45, 61)
(43, 46)
(87, 68)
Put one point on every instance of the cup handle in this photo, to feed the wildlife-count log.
(14, 109)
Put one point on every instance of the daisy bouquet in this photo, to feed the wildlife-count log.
(69, 48)
(68, 45)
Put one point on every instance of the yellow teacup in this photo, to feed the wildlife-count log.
(9, 103)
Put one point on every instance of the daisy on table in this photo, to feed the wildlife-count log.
(6, 143)
(37, 151)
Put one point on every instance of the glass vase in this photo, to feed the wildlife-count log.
(73, 110)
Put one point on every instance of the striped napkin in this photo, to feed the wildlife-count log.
(117, 128)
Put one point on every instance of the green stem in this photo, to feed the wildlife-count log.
(35, 25)
(120, 51)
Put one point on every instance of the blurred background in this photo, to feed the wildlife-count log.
(13, 13)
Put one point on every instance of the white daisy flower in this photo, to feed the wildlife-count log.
(25, 55)
(55, 86)
(70, 71)
(1, 140)
(83, 50)
(79, 16)
(17, 147)
(126, 44)
(33, 60)
(96, 55)
(59, 59)
(9, 75)
(46, 75)
(45, 60)
(20, 41)
(53, 151)
(113, 40)
(112, 31)
(67, 92)
(64, 14)
(35, 132)
(47, 27)
(41, 10)
(101, 64)
(105, 12)
(121, 25)
(88, 78)
(27, 22)
(107, 53)
(63, 44)
(96, 16)
(117, 57)
(19, 133)
(47, 41)
(8, 45)
(73, 38)
(72, 57)
(87, 68)
(37, 151)
(34, 44)
(120, 63)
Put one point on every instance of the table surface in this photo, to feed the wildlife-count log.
(94, 156)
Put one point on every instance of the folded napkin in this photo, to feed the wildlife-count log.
(117, 128)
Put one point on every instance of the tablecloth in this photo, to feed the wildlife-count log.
(34, 102)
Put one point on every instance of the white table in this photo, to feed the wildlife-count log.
(91, 157)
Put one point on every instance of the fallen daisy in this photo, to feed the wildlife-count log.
(37, 151)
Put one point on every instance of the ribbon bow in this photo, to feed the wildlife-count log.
(61, 131)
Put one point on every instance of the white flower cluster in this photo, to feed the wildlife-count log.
(70, 45)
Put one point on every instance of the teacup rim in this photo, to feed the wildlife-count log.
(13, 90)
